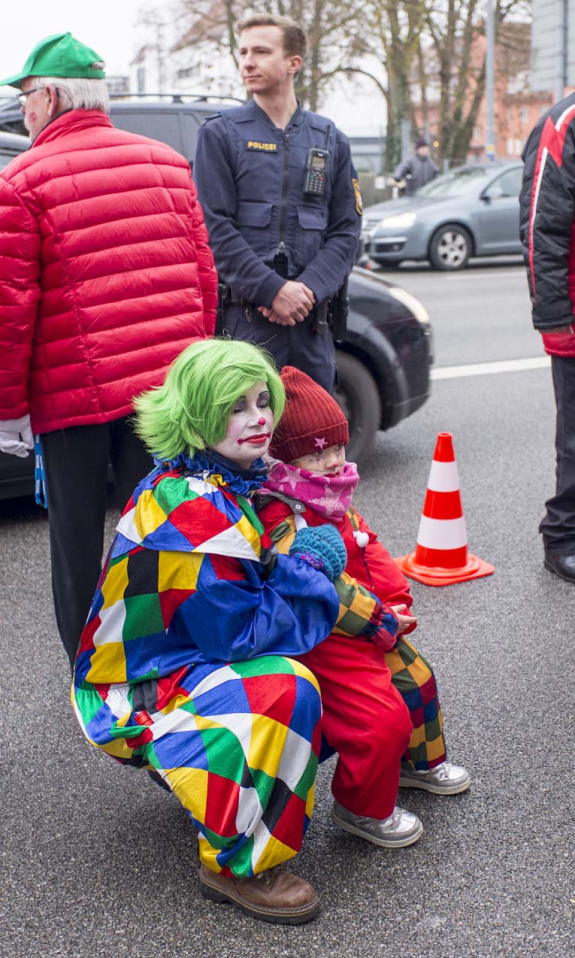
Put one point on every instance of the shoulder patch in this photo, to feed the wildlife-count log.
(357, 191)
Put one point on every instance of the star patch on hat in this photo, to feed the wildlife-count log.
(311, 421)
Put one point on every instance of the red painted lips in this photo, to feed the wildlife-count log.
(256, 440)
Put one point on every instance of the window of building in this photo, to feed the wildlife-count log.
(187, 72)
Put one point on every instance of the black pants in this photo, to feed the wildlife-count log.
(76, 466)
(558, 526)
(299, 345)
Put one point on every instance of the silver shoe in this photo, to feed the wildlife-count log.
(444, 779)
(400, 829)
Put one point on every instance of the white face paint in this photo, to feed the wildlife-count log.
(326, 462)
(250, 427)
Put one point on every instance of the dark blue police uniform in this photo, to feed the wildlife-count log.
(250, 177)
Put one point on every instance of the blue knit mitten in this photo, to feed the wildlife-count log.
(323, 548)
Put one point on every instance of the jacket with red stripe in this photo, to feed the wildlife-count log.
(105, 271)
(547, 224)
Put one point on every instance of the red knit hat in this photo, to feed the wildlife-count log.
(312, 420)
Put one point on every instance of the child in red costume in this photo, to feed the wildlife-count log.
(381, 712)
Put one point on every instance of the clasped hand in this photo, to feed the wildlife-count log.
(291, 304)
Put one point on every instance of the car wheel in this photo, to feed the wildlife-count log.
(450, 248)
(357, 395)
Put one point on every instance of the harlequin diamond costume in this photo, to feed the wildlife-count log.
(182, 666)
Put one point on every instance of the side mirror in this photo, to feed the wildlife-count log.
(493, 192)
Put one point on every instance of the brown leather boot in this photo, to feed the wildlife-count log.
(275, 895)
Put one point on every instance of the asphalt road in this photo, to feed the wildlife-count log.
(479, 314)
(97, 861)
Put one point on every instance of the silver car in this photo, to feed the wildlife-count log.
(470, 211)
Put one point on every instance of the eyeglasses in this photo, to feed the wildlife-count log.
(22, 97)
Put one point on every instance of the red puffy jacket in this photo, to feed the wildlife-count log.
(105, 271)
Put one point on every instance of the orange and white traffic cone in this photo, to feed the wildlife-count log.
(441, 555)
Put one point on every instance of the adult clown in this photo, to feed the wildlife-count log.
(182, 666)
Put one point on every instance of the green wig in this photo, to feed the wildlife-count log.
(191, 410)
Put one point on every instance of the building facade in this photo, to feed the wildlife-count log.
(553, 46)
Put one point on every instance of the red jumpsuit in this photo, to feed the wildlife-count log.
(379, 707)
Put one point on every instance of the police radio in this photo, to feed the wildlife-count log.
(316, 169)
(316, 172)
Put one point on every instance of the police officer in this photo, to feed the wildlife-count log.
(282, 205)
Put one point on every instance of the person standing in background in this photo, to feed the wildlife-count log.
(547, 224)
(105, 276)
(417, 170)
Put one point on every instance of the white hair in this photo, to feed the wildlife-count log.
(79, 93)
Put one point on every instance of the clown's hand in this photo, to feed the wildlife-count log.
(16, 437)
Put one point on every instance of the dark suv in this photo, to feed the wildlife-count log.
(11, 144)
(383, 363)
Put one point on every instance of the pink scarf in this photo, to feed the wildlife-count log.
(330, 496)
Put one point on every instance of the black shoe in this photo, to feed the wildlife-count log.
(561, 565)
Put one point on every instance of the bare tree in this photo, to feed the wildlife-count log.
(424, 46)
(395, 39)
(453, 32)
(435, 47)
(331, 27)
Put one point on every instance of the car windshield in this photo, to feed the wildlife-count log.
(455, 183)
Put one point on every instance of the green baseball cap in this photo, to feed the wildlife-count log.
(60, 56)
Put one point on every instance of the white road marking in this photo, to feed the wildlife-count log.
(486, 369)
(494, 274)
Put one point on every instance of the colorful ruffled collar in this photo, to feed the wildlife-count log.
(242, 482)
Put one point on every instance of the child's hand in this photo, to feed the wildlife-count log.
(403, 617)
(322, 547)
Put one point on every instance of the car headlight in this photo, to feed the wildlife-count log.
(402, 221)
(402, 296)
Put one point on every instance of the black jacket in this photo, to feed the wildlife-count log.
(250, 180)
(547, 219)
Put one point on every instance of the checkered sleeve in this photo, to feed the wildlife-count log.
(283, 535)
(360, 612)
(288, 612)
